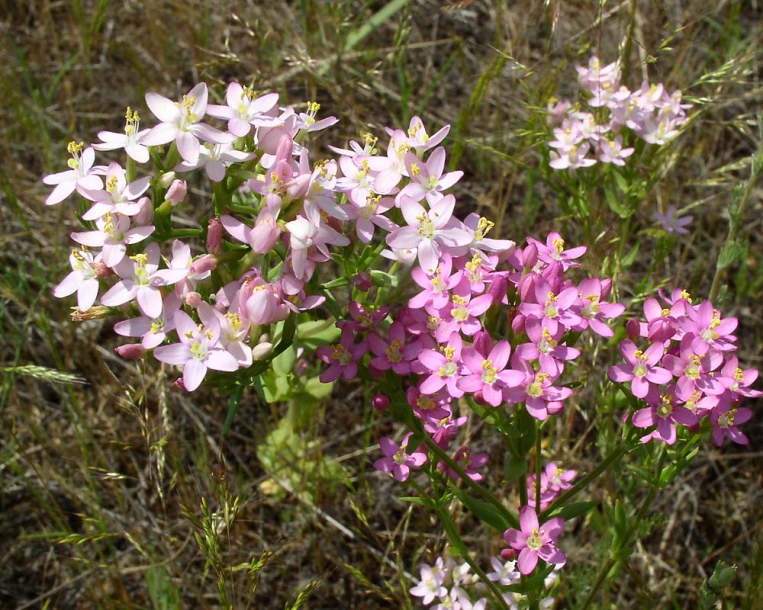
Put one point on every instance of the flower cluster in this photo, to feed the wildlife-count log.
(651, 113)
(684, 368)
(451, 586)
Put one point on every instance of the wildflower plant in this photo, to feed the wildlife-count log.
(444, 322)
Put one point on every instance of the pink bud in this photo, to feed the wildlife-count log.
(508, 554)
(208, 262)
(633, 329)
(146, 213)
(301, 366)
(102, 271)
(131, 351)
(530, 256)
(518, 324)
(177, 192)
(192, 299)
(362, 281)
(380, 402)
(498, 288)
(214, 236)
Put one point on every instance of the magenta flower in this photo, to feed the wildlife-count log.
(665, 414)
(394, 353)
(469, 461)
(396, 460)
(446, 367)
(342, 357)
(489, 375)
(535, 542)
(197, 351)
(640, 369)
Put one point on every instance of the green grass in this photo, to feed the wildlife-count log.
(113, 490)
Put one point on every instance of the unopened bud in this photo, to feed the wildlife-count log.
(633, 329)
(146, 213)
(166, 179)
(131, 351)
(208, 262)
(214, 236)
(362, 281)
(177, 192)
(530, 256)
(262, 351)
(380, 402)
(192, 299)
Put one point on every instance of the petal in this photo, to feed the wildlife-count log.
(164, 109)
(194, 372)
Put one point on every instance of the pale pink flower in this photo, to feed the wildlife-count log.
(81, 175)
(197, 351)
(180, 122)
(130, 140)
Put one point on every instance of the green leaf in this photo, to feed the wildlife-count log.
(283, 364)
(514, 469)
(722, 576)
(314, 333)
(573, 510)
(487, 513)
(732, 253)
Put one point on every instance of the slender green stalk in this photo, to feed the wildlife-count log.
(505, 513)
(736, 215)
(619, 449)
(455, 539)
(625, 540)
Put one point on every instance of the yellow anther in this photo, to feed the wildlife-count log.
(415, 169)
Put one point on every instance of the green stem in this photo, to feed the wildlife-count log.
(456, 540)
(444, 457)
(619, 449)
(735, 220)
(615, 557)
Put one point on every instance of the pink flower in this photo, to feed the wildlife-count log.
(396, 460)
(180, 122)
(427, 179)
(640, 369)
(429, 232)
(342, 357)
(130, 140)
(83, 279)
(197, 351)
(82, 175)
(143, 281)
(489, 375)
(535, 542)
(670, 223)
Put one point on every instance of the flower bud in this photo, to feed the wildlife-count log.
(166, 179)
(362, 281)
(214, 236)
(146, 213)
(530, 256)
(380, 402)
(192, 299)
(262, 351)
(131, 351)
(633, 329)
(177, 192)
(203, 264)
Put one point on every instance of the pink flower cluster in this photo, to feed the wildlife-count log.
(651, 113)
(451, 586)
(680, 361)
(553, 482)
(439, 345)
